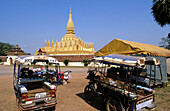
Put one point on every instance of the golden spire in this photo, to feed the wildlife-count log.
(45, 43)
(52, 43)
(48, 43)
(70, 25)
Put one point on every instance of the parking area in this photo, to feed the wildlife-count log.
(69, 97)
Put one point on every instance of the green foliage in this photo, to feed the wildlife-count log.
(66, 61)
(161, 11)
(0, 60)
(165, 42)
(4, 48)
(86, 62)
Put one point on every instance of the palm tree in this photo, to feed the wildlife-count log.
(161, 11)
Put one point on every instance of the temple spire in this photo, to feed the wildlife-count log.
(48, 43)
(45, 43)
(70, 25)
(52, 43)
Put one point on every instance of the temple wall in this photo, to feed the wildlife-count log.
(72, 64)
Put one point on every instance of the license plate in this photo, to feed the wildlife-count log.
(40, 95)
(144, 104)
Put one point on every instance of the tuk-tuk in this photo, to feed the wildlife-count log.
(35, 82)
(122, 81)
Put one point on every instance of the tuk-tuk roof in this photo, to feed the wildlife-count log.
(29, 59)
(124, 60)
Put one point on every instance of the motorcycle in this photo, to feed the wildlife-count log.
(65, 76)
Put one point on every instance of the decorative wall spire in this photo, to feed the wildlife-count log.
(48, 43)
(52, 43)
(45, 43)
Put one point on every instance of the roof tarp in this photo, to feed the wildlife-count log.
(124, 47)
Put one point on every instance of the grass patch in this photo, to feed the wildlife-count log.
(162, 99)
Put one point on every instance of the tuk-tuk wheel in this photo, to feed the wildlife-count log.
(113, 104)
(89, 92)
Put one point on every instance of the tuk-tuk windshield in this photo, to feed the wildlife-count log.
(35, 66)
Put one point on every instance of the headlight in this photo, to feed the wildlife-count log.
(66, 73)
(28, 102)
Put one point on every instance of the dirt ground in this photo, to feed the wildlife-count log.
(70, 97)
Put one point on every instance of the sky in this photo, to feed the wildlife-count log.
(29, 23)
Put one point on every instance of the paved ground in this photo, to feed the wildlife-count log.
(70, 97)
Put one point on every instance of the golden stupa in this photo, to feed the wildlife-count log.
(69, 44)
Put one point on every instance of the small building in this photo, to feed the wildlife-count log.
(124, 47)
(11, 56)
(41, 51)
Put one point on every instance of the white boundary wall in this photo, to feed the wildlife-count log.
(72, 64)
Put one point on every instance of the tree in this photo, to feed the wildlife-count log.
(161, 11)
(86, 62)
(66, 61)
(4, 48)
(165, 42)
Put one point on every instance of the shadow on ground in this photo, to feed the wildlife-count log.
(97, 102)
(49, 109)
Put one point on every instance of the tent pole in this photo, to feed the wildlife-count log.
(154, 75)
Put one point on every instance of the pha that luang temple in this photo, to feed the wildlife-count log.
(69, 44)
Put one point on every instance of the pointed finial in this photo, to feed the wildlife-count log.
(52, 43)
(45, 43)
(70, 25)
(48, 43)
